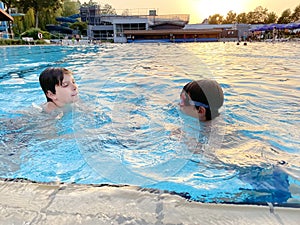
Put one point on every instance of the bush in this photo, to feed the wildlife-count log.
(33, 32)
(20, 42)
(11, 42)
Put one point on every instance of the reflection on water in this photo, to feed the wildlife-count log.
(128, 129)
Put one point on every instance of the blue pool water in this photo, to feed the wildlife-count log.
(127, 128)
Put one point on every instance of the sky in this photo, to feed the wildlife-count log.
(198, 9)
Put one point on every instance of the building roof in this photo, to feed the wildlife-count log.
(4, 16)
(173, 31)
(208, 26)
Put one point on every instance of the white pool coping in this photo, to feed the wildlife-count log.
(24, 202)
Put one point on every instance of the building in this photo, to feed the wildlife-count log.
(118, 28)
(155, 28)
(109, 27)
(173, 35)
(230, 32)
(5, 19)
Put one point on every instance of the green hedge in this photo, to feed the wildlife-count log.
(20, 42)
(33, 32)
(11, 42)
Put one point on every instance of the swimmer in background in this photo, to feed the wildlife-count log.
(59, 87)
(202, 99)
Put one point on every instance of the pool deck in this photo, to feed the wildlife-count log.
(24, 202)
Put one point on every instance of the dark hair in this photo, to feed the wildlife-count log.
(51, 77)
(196, 94)
(207, 92)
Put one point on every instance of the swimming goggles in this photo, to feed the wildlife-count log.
(186, 101)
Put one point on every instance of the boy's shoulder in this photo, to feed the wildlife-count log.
(48, 107)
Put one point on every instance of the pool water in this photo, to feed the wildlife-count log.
(128, 129)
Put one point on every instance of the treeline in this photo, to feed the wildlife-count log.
(259, 15)
(39, 13)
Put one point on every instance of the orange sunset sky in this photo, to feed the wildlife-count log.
(198, 9)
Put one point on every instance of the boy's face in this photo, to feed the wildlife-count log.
(185, 107)
(67, 92)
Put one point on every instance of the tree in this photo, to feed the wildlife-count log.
(22, 23)
(80, 26)
(285, 16)
(215, 19)
(108, 10)
(259, 15)
(272, 18)
(70, 7)
(125, 12)
(296, 14)
(241, 18)
(48, 16)
(90, 3)
(230, 18)
(29, 19)
(38, 6)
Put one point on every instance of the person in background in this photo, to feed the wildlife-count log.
(59, 87)
(202, 99)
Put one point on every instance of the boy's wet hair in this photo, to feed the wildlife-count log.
(208, 92)
(51, 77)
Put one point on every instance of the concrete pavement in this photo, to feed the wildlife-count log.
(24, 202)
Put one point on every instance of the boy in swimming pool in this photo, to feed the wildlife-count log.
(59, 87)
(202, 99)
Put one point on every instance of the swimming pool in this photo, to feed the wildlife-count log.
(128, 129)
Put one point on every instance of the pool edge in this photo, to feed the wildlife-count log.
(25, 202)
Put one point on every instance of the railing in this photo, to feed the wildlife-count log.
(6, 35)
